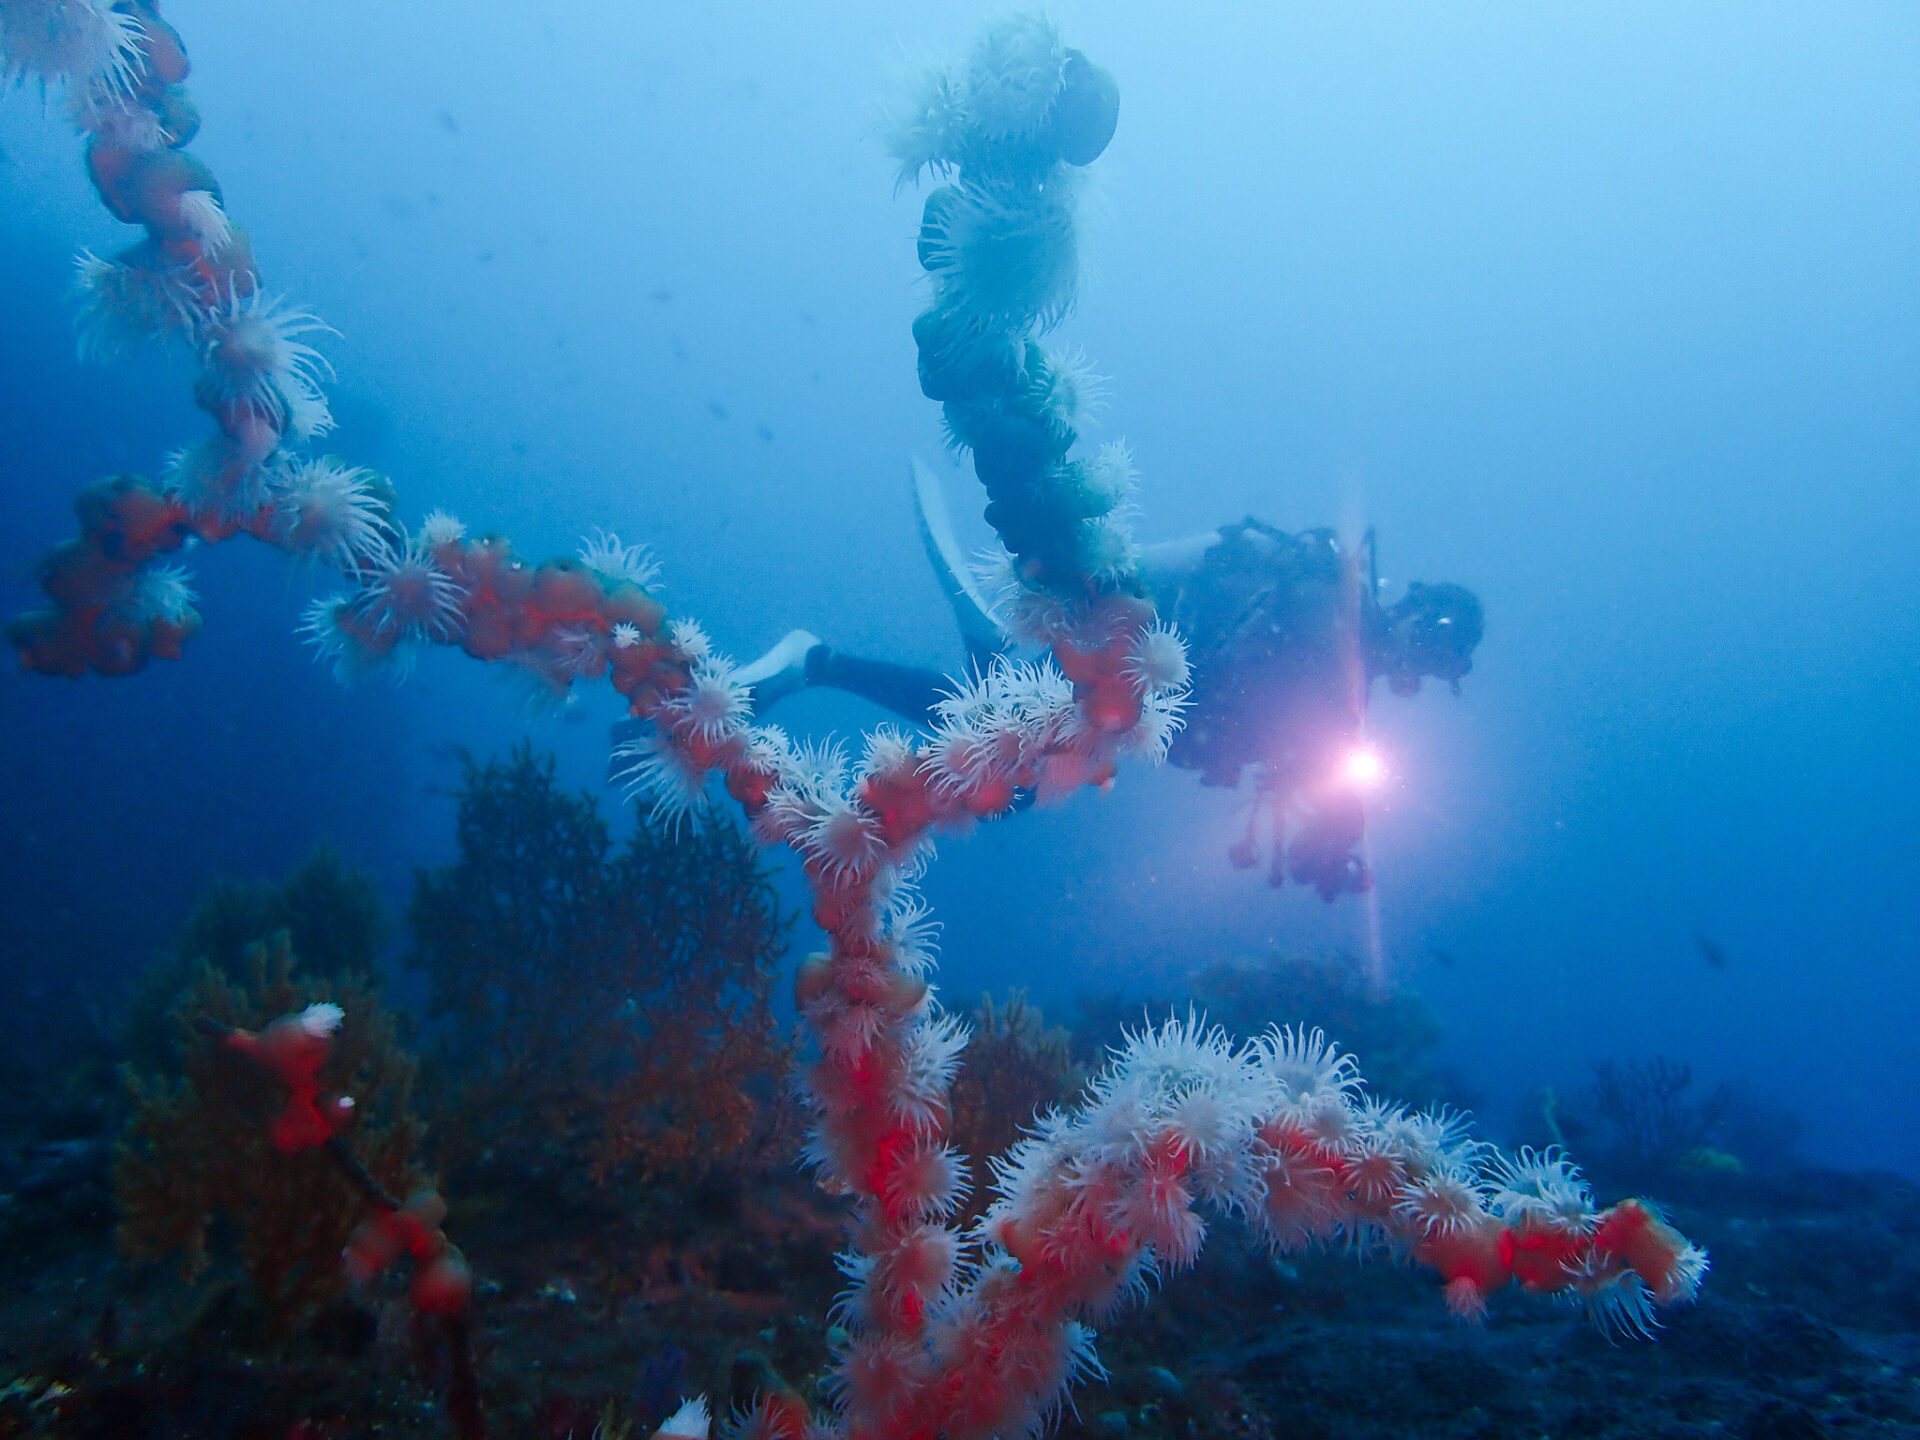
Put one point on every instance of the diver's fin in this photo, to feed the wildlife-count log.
(983, 635)
(779, 672)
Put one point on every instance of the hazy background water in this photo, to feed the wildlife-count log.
(1606, 312)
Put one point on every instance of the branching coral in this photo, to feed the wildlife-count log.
(617, 999)
(1012, 129)
(1650, 1120)
(199, 1143)
(1099, 1200)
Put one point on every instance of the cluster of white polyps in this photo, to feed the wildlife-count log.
(982, 1339)
(81, 43)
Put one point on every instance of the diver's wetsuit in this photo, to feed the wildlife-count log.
(1279, 628)
(1275, 626)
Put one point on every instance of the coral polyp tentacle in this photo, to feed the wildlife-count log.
(406, 593)
(615, 563)
(256, 360)
(87, 44)
(333, 513)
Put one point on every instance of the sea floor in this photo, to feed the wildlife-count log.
(596, 1309)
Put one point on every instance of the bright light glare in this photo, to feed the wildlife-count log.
(1364, 768)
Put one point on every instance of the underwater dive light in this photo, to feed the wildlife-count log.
(1363, 768)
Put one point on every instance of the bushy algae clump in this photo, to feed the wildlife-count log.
(608, 1004)
(203, 1139)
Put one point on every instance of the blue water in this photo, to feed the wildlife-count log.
(1609, 313)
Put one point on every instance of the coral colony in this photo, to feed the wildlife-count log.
(962, 1334)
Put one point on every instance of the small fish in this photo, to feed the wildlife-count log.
(448, 123)
(662, 296)
(764, 433)
(1710, 950)
(717, 410)
(1445, 957)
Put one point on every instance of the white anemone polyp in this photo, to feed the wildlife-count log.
(1442, 1205)
(617, 563)
(928, 1181)
(329, 512)
(123, 306)
(321, 1020)
(441, 528)
(845, 843)
(256, 360)
(714, 705)
(654, 766)
(201, 210)
(1158, 660)
(220, 477)
(690, 640)
(408, 592)
(78, 41)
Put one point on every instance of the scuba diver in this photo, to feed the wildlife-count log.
(1286, 634)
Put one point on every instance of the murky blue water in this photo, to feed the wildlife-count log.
(1609, 314)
